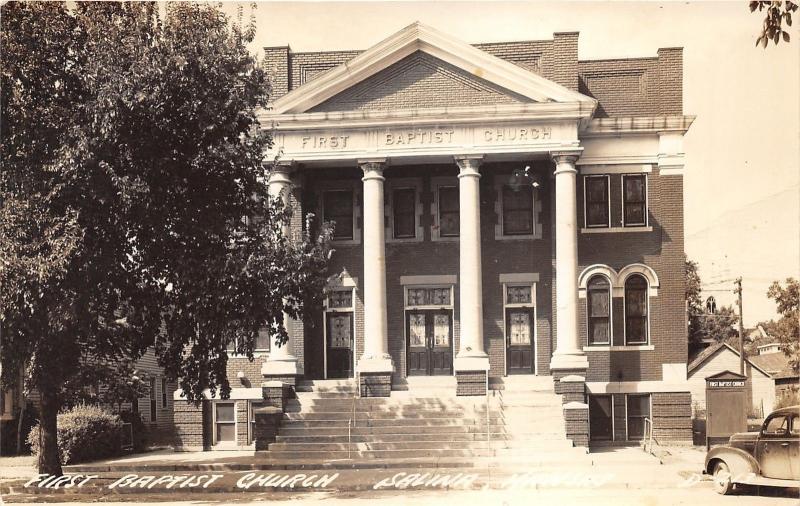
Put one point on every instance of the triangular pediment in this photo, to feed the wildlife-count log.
(430, 57)
(418, 81)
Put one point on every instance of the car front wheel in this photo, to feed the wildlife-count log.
(722, 478)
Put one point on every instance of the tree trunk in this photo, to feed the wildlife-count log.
(49, 457)
(20, 424)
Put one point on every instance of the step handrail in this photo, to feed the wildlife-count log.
(351, 423)
(648, 435)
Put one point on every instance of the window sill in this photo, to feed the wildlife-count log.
(632, 347)
(521, 237)
(256, 354)
(611, 230)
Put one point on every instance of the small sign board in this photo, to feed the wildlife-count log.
(726, 406)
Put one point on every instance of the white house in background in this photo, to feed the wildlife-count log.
(722, 357)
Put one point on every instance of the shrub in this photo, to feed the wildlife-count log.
(85, 432)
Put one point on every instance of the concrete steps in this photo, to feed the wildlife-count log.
(520, 418)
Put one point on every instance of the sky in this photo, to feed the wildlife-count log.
(742, 179)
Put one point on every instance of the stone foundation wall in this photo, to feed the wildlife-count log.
(471, 383)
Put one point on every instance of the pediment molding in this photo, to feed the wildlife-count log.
(420, 37)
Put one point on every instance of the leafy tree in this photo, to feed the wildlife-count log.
(131, 157)
(720, 326)
(777, 12)
(787, 328)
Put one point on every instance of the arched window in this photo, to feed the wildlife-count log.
(598, 309)
(636, 310)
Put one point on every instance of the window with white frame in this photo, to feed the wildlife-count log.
(596, 189)
(339, 306)
(598, 310)
(517, 210)
(519, 297)
(262, 343)
(634, 200)
(338, 208)
(636, 310)
(163, 392)
(445, 209)
(224, 422)
(429, 297)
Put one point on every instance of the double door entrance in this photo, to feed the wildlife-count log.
(429, 342)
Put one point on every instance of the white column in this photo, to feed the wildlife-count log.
(471, 355)
(376, 356)
(568, 353)
(281, 361)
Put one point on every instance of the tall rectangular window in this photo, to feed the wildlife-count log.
(638, 409)
(163, 392)
(338, 209)
(225, 421)
(517, 210)
(634, 200)
(404, 202)
(152, 399)
(598, 296)
(596, 201)
(448, 211)
(636, 310)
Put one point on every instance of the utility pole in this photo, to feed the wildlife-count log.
(738, 291)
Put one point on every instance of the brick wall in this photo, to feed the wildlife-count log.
(672, 416)
(419, 80)
(189, 422)
(623, 87)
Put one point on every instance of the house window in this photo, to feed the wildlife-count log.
(636, 310)
(448, 211)
(517, 210)
(596, 202)
(634, 190)
(598, 302)
(404, 203)
(152, 399)
(338, 209)
(224, 422)
(638, 409)
(261, 346)
(163, 392)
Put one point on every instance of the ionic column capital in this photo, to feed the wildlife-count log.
(469, 165)
(565, 159)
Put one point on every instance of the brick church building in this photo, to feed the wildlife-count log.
(500, 210)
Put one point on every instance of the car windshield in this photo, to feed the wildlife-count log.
(795, 430)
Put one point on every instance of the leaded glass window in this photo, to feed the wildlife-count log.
(518, 294)
(341, 330)
(428, 297)
(520, 327)
(340, 299)
(441, 330)
(416, 329)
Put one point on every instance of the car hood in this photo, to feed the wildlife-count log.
(744, 436)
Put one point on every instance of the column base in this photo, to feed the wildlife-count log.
(375, 365)
(576, 422)
(375, 384)
(277, 369)
(569, 361)
(276, 392)
(471, 375)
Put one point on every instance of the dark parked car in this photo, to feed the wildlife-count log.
(769, 457)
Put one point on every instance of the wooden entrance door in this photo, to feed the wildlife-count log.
(339, 344)
(430, 342)
(600, 418)
(519, 340)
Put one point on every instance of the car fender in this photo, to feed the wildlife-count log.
(740, 463)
